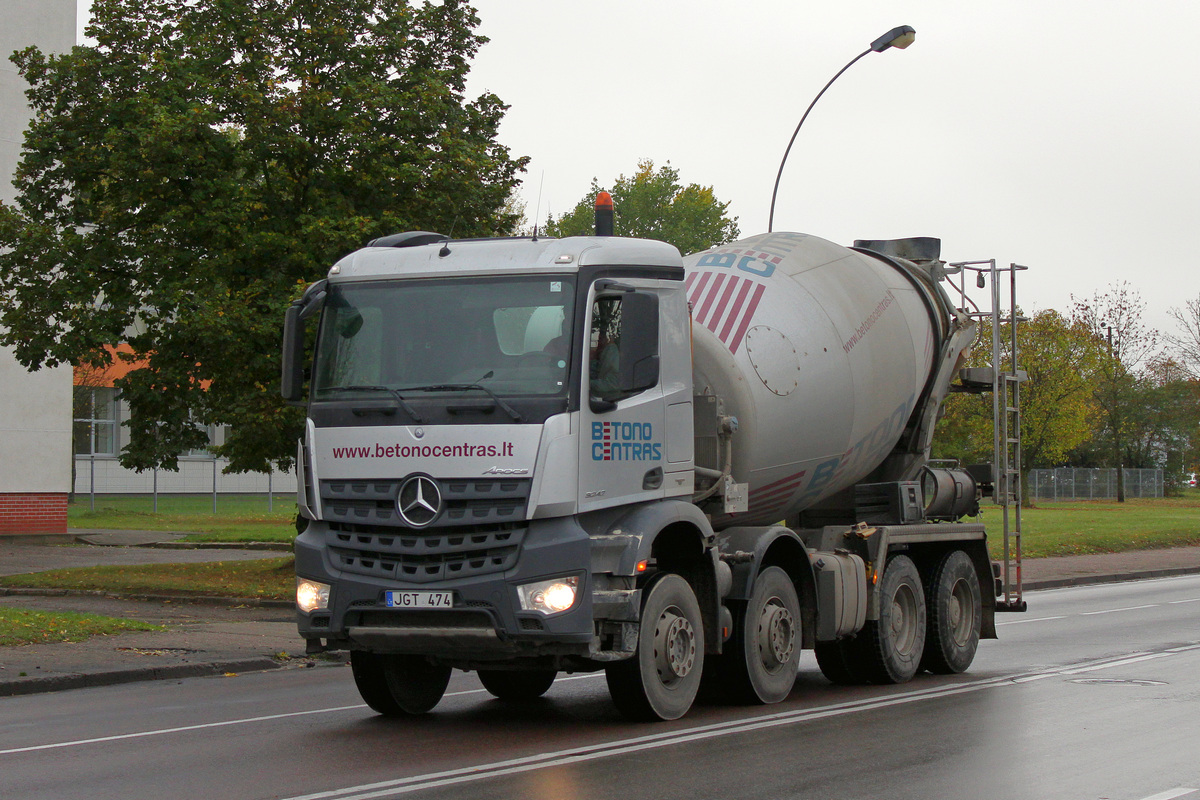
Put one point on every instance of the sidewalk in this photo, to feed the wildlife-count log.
(222, 636)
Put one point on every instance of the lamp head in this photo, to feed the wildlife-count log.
(899, 38)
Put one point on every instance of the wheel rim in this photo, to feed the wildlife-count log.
(958, 613)
(776, 635)
(674, 646)
(904, 619)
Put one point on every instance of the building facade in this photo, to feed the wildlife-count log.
(35, 407)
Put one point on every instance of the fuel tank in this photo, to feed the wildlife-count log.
(821, 352)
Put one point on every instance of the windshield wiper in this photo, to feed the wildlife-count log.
(466, 387)
(393, 392)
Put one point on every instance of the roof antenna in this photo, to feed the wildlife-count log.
(538, 208)
(445, 251)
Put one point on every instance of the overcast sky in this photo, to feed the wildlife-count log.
(1059, 135)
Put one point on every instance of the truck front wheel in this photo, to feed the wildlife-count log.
(517, 685)
(661, 680)
(955, 615)
(398, 685)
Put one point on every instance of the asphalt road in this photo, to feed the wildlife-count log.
(1091, 694)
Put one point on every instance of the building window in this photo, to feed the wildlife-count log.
(95, 430)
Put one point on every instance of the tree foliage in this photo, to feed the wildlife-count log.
(187, 175)
(1185, 343)
(652, 204)
(1114, 319)
(1060, 357)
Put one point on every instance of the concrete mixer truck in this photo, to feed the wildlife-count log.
(533, 456)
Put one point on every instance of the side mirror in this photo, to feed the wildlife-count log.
(639, 368)
(291, 384)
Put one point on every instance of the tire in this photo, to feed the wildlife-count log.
(955, 604)
(398, 685)
(765, 647)
(841, 662)
(517, 684)
(892, 646)
(660, 681)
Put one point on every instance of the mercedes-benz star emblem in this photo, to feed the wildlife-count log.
(419, 501)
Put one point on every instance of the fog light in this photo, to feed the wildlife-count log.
(549, 597)
(311, 595)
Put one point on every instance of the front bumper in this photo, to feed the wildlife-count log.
(486, 621)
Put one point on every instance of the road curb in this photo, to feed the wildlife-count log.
(81, 680)
(197, 599)
(1086, 580)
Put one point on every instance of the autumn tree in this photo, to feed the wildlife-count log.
(186, 176)
(1114, 320)
(652, 204)
(1060, 357)
(1185, 340)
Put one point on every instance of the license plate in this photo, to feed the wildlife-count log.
(419, 599)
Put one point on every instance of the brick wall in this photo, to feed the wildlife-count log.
(33, 513)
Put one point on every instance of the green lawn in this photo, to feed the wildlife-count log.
(267, 578)
(23, 626)
(1102, 526)
(239, 518)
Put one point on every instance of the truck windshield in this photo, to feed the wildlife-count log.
(508, 335)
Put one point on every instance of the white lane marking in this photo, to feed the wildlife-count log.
(1170, 794)
(162, 731)
(1024, 621)
(908, 697)
(1115, 610)
(515, 766)
(244, 721)
(592, 675)
(1177, 602)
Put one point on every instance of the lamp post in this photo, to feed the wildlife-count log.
(899, 38)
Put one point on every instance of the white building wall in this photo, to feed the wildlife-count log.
(35, 408)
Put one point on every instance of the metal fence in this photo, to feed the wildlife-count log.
(1069, 483)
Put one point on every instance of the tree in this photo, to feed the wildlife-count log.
(1186, 343)
(1060, 357)
(651, 204)
(1114, 320)
(183, 179)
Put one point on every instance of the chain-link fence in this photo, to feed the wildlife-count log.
(196, 476)
(1069, 483)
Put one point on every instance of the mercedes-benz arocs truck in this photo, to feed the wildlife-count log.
(530, 456)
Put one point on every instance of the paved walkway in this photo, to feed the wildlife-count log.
(212, 638)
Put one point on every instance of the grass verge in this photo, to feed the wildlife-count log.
(266, 579)
(1101, 526)
(22, 626)
(238, 518)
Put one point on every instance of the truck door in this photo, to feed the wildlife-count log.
(623, 452)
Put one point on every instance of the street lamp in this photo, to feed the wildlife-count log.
(899, 38)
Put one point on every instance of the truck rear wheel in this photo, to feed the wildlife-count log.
(841, 662)
(517, 684)
(398, 685)
(892, 645)
(955, 615)
(661, 680)
(765, 647)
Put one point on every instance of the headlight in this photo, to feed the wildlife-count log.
(311, 596)
(549, 597)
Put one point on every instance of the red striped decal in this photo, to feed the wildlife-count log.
(747, 316)
(733, 312)
(709, 297)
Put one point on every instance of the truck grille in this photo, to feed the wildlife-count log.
(423, 556)
(466, 501)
